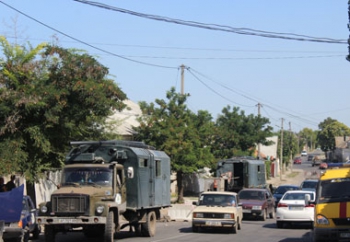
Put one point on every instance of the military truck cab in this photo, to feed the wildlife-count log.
(106, 186)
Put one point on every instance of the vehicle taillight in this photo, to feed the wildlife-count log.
(310, 206)
(282, 205)
(20, 223)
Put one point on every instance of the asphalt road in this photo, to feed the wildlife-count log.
(252, 230)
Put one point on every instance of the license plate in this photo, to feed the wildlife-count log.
(213, 223)
(67, 220)
(246, 211)
(295, 208)
(344, 235)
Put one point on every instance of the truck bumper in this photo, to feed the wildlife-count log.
(12, 233)
(71, 220)
(331, 234)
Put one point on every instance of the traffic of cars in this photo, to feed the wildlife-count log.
(297, 160)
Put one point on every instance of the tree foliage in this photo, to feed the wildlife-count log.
(170, 126)
(238, 134)
(48, 97)
(307, 138)
(329, 129)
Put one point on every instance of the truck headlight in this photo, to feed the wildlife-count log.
(320, 219)
(43, 209)
(100, 209)
(256, 207)
(198, 215)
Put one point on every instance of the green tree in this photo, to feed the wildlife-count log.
(329, 129)
(172, 127)
(307, 139)
(48, 97)
(238, 134)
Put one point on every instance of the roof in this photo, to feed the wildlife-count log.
(219, 193)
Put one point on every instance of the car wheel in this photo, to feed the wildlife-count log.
(194, 229)
(263, 216)
(279, 224)
(234, 228)
(36, 232)
(272, 214)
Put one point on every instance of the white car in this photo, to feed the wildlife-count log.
(303, 153)
(296, 206)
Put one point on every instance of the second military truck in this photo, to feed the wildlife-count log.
(106, 186)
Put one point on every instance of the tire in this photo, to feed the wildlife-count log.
(272, 214)
(279, 224)
(263, 216)
(36, 232)
(109, 228)
(148, 229)
(234, 229)
(50, 234)
(195, 229)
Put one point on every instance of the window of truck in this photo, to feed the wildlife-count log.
(334, 190)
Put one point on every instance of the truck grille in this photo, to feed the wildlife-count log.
(70, 204)
(213, 215)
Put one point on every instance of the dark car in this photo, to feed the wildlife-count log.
(27, 225)
(309, 184)
(257, 203)
(281, 190)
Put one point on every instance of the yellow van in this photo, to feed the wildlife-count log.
(332, 208)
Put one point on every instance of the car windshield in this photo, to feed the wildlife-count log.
(298, 196)
(251, 195)
(282, 190)
(217, 200)
(309, 184)
(100, 176)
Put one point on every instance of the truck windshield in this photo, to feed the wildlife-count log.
(334, 190)
(86, 176)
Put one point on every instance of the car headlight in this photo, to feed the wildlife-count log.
(198, 215)
(100, 209)
(256, 207)
(320, 219)
(43, 209)
(229, 215)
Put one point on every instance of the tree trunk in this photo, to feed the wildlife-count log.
(31, 191)
(180, 189)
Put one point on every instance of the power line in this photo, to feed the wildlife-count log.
(243, 31)
(83, 42)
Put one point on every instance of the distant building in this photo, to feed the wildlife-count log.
(122, 122)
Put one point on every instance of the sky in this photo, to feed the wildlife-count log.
(288, 57)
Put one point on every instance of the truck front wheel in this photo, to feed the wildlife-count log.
(50, 233)
(149, 228)
(110, 227)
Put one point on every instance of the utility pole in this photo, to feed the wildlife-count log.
(281, 152)
(259, 106)
(348, 56)
(182, 79)
(290, 146)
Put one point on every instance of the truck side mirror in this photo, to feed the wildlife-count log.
(130, 172)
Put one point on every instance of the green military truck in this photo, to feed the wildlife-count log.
(237, 173)
(106, 186)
